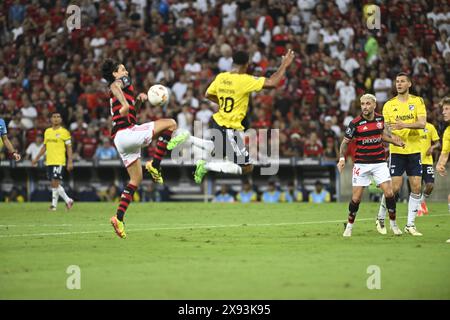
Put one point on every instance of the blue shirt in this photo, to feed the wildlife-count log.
(287, 197)
(224, 198)
(323, 196)
(3, 130)
(246, 197)
(105, 153)
(271, 197)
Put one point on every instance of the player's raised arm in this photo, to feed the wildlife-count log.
(275, 78)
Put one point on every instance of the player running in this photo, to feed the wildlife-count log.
(129, 137)
(370, 159)
(6, 142)
(429, 140)
(231, 91)
(57, 143)
(405, 115)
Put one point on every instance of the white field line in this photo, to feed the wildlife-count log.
(185, 227)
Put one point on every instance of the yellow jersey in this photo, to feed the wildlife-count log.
(408, 112)
(446, 140)
(233, 91)
(55, 143)
(427, 135)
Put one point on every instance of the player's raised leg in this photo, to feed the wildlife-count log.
(135, 173)
(163, 129)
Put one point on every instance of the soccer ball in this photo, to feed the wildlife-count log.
(158, 95)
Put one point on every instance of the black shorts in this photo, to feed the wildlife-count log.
(230, 145)
(411, 163)
(427, 173)
(55, 172)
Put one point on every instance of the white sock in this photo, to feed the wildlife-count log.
(207, 145)
(393, 223)
(382, 210)
(63, 194)
(223, 166)
(413, 205)
(55, 197)
(349, 226)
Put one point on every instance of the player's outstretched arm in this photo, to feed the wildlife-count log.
(342, 151)
(286, 60)
(10, 148)
(40, 154)
(116, 89)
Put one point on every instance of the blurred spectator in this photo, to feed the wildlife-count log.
(15, 196)
(204, 115)
(382, 87)
(34, 148)
(271, 195)
(110, 194)
(313, 147)
(185, 119)
(291, 194)
(247, 194)
(319, 194)
(105, 151)
(88, 145)
(224, 195)
(347, 94)
(149, 193)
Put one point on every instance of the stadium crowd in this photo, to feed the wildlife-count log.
(47, 65)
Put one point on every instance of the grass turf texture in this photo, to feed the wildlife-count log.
(219, 251)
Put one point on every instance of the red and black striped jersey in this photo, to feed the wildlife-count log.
(120, 122)
(369, 139)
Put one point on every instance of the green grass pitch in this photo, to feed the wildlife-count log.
(219, 251)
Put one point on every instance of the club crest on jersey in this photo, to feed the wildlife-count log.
(58, 135)
(379, 125)
(411, 107)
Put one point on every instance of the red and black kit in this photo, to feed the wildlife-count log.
(120, 122)
(369, 139)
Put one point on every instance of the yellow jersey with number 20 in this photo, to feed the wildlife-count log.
(233, 91)
(408, 112)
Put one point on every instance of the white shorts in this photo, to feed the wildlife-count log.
(130, 141)
(362, 172)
